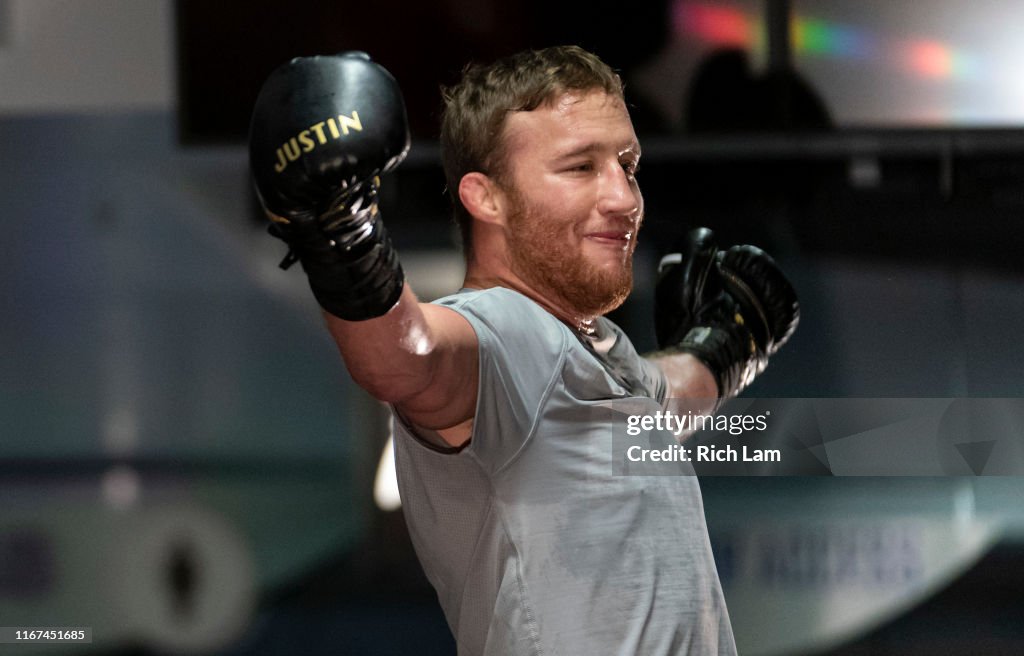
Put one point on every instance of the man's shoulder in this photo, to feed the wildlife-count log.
(514, 320)
(495, 301)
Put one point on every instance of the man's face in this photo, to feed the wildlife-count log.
(575, 206)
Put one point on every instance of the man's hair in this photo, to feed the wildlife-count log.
(475, 109)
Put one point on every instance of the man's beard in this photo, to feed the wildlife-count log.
(537, 251)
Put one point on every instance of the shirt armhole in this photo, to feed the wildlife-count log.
(426, 437)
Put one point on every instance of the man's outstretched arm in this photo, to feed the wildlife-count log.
(323, 130)
(421, 358)
(719, 317)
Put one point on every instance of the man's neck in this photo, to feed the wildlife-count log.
(584, 325)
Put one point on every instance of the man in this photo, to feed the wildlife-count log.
(533, 545)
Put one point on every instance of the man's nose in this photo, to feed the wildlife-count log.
(620, 195)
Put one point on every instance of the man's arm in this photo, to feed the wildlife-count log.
(323, 130)
(690, 384)
(687, 377)
(720, 315)
(422, 358)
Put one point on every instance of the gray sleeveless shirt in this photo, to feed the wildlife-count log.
(533, 545)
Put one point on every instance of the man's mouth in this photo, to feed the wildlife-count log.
(615, 237)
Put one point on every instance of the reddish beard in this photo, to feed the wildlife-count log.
(537, 249)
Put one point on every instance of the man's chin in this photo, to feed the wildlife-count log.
(602, 298)
(608, 259)
(590, 286)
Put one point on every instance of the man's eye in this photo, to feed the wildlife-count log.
(631, 168)
(582, 166)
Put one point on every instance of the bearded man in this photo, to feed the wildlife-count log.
(505, 469)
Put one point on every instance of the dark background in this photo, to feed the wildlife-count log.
(155, 358)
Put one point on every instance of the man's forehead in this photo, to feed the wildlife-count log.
(575, 120)
(574, 104)
(571, 97)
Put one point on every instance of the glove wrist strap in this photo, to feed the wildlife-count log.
(348, 257)
(729, 354)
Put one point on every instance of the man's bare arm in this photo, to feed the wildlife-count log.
(322, 199)
(689, 381)
(729, 311)
(687, 376)
(421, 358)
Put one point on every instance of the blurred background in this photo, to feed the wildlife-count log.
(185, 466)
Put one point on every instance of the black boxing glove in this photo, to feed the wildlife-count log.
(323, 129)
(731, 309)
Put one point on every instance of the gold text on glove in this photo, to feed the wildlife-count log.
(315, 135)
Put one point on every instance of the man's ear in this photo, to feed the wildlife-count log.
(482, 197)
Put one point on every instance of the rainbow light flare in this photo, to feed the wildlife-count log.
(819, 37)
(731, 26)
(724, 26)
(934, 60)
